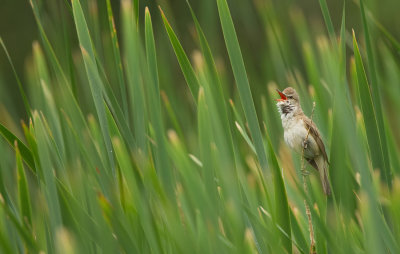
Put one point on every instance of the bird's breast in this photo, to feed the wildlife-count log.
(295, 133)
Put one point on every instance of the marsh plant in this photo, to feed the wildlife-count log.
(138, 139)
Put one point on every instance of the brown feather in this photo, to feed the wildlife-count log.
(316, 135)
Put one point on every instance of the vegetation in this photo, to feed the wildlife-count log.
(114, 155)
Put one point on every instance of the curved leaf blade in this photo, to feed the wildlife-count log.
(369, 114)
(24, 150)
(242, 82)
(187, 69)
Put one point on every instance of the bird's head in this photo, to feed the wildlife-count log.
(289, 101)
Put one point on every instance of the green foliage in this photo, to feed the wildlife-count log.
(125, 158)
(183, 60)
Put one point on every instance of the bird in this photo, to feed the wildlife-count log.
(300, 133)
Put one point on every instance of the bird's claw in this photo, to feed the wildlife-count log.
(305, 144)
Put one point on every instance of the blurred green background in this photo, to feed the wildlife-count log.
(118, 141)
(18, 30)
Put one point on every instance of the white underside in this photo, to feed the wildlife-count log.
(295, 133)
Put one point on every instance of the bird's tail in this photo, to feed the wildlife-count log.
(323, 173)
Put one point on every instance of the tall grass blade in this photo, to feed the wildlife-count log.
(162, 161)
(117, 58)
(368, 110)
(376, 98)
(341, 172)
(242, 82)
(93, 76)
(48, 47)
(48, 185)
(328, 20)
(133, 71)
(20, 87)
(25, 235)
(215, 84)
(297, 232)
(206, 152)
(23, 189)
(183, 60)
(395, 43)
(73, 110)
(24, 150)
(185, 180)
(136, 9)
(118, 114)
(113, 218)
(281, 200)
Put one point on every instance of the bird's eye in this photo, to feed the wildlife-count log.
(289, 97)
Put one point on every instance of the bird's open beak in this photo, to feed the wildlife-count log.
(283, 97)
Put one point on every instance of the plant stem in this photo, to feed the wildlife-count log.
(308, 212)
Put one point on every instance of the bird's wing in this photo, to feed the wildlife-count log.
(312, 163)
(316, 135)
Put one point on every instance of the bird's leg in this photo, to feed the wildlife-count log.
(303, 170)
(305, 143)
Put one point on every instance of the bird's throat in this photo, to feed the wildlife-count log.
(286, 109)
